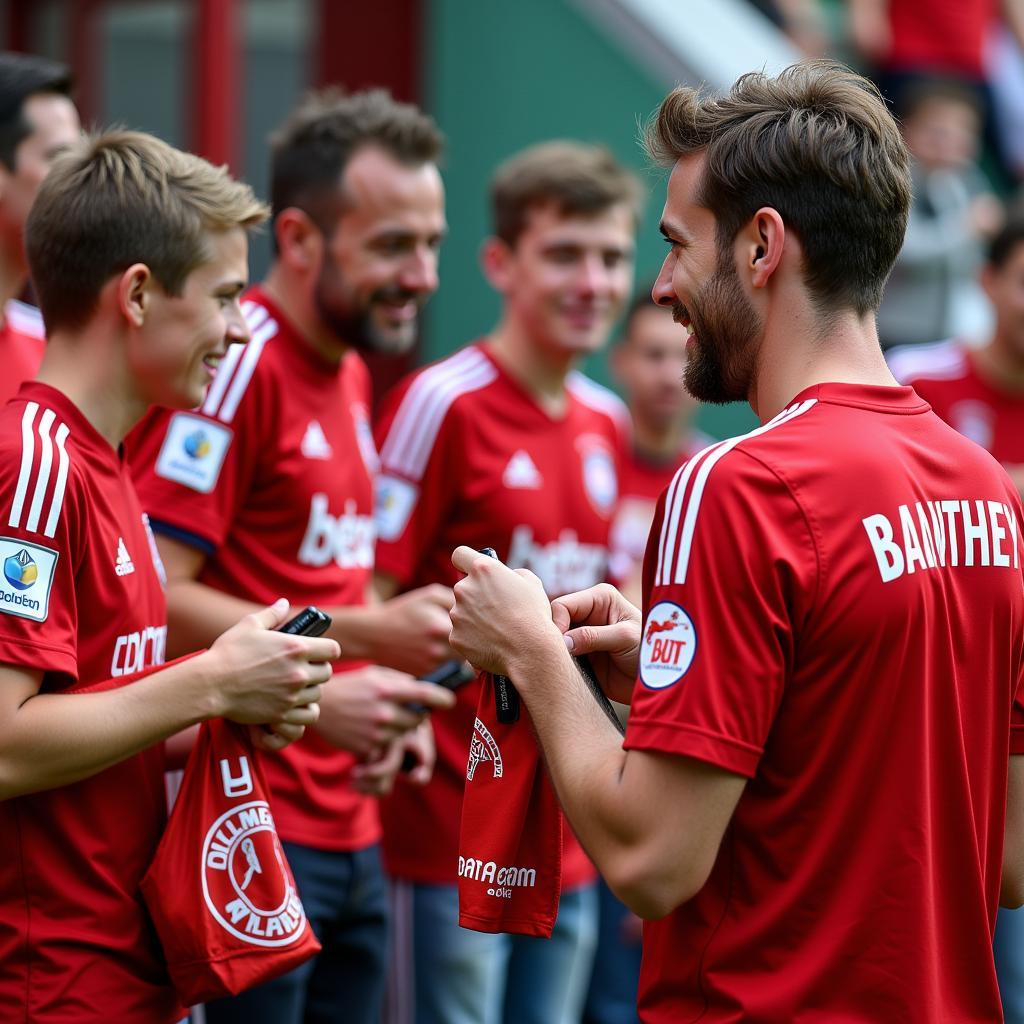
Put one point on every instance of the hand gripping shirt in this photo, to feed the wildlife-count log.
(80, 599)
(468, 457)
(834, 610)
(272, 478)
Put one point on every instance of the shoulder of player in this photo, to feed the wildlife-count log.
(426, 400)
(600, 399)
(246, 370)
(23, 318)
(941, 360)
(40, 469)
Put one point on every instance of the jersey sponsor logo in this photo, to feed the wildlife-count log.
(668, 646)
(484, 749)
(948, 533)
(975, 420)
(27, 578)
(564, 565)
(123, 564)
(246, 886)
(505, 878)
(599, 478)
(314, 442)
(193, 452)
(521, 473)
(394, 501)
(347, 540)
(136, 651)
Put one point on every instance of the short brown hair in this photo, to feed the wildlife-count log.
(580, 180)
(119, 198)
(817, 144)
(310, 150)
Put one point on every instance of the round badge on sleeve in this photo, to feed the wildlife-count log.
(669, 644)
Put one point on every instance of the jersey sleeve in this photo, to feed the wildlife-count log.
(42, 531)
(193, 469)
(416, 486)
(729, 575)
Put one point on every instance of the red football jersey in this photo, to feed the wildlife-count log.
(835, 610)
(22, 341)
(468, 457)
(273, 478)
(940, 36)
(81, 599)
(642, 481)
(944, 375)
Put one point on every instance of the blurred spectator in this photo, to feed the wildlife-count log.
(648, 363)
(37, 122)
(933, 292)
(801, 20)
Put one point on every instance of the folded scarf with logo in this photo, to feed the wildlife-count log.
(510, 843)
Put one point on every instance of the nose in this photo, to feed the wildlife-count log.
(419, 274)
(663, 293)
(594, 275)
(237, 328)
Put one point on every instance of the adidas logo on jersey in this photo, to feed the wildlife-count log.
(123, 565)
(314, 443)
(521, 473)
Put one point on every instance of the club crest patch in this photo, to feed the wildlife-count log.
(246, 884)
(667, 647)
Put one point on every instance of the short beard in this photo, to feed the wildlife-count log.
(722, 360)
(355, 326)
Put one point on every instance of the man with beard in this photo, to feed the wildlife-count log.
(809, 802)
(268, 487)
(504, 444)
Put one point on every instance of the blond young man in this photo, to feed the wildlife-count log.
(139, 256)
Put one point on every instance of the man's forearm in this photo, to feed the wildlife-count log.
(56, 739)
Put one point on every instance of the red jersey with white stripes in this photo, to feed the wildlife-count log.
(81, 600)
(835, 610)
(273, 478)
(22, 342)
(945, 376)
(642, 480)
(468, 457)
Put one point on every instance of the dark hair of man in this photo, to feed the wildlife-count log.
(920, 92)
(310, 151)
(1006, 240)
(640, 302)
(817, 144)
(579, 180)
(23, 75)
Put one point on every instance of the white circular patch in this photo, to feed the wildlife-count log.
(669, 644)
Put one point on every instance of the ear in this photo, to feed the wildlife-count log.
(496, 259)
(133, 288)
(761, 243)
(299, 241)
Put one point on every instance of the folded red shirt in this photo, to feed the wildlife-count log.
(510, 843)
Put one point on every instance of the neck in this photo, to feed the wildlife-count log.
(1000, 363)
(799, 350)
(293, 295)
(90, 368)
(540, 373)
(658, 441)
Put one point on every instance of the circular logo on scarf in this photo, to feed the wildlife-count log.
(246, 883)
(669, 644)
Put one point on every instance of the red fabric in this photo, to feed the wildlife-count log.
(22, 343)
(940, 35)
(869, 710)
(289, 513)
(510, 842)
(219, 890)
(468, 457)
(75, 941)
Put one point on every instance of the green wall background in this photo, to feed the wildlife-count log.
(500, 76)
